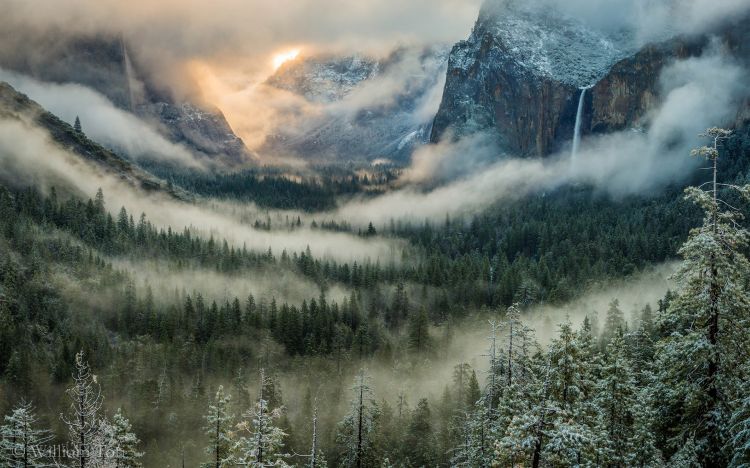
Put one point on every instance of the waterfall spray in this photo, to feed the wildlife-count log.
(577, 129)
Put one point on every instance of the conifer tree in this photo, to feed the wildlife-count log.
(420, 439)
(356, 432)
(707, 323)
(124, 442)
(419, 334)
(218, 428)
(263, 441)
(83, 418)
(23, 443)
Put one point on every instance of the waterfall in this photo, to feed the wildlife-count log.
(129, 77)
(577, 130)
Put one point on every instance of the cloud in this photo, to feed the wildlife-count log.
(247, 30)
(101, 120)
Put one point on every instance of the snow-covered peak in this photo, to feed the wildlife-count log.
(547, 42)
(324, 79)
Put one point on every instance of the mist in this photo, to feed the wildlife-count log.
(102, 120)
(28, 155)
(265, 285)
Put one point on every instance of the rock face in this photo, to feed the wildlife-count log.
(104, 64)
(365, 108)
(519, 76)
(622, 98)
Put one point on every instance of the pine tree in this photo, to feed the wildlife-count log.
(356, 432)
(77, 126)
(264, 440)
(616, 400)
(219, 430)
(22, 443)
(706, 322)
(739, 427)
(83, 419)
(124, 442)
(419, 334)
(614, 322)
(420, 439)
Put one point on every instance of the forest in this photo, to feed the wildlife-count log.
(106, 362)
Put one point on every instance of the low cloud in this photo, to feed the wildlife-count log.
(102, 121)
(28, 155)
(268, 284)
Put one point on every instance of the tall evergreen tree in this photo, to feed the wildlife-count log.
(83, 419)
(263, 442)
(707, 323)
(356, 433)
(23, 443)
(218, 428)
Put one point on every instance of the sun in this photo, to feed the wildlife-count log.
(280, 58)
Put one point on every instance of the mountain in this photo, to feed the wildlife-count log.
(18, 106)
(365, 108)
(520, 74)
(105, 64)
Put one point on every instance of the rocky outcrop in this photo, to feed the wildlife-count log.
(326, 78)
(622, 98)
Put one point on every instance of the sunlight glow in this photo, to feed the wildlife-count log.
(280, 58)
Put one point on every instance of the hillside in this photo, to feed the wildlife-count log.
(17, 106)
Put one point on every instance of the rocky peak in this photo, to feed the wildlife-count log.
(324, 78)
(550, 43)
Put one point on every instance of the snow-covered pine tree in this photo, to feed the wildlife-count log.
(524, 416)
(22, 443)
(218, 428)
(519, 341)
(124, 442)
(707, 322)
(356, 432)
(263, 441)
(83, 418)
(644, 453)
(739, 427)
(103, 446)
